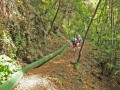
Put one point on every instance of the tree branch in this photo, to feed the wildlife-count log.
(52, 23)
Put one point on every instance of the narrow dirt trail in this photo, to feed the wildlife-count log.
(58, 74)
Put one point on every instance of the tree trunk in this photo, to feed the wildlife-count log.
(79, 56)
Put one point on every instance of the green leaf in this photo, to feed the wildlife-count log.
(110, 65)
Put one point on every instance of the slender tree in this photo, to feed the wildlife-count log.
(79, 56)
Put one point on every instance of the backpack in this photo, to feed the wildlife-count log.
(72, 39)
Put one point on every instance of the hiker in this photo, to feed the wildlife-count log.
(79, 38)
(74, 42)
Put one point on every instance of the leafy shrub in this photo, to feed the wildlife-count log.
(8, 67)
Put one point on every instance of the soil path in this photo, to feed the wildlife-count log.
(60, 75)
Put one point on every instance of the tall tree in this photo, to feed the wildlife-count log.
(79, 56)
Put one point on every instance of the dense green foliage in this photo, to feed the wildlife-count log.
(105, 35)
(7, 68)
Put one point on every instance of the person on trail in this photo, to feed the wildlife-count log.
(79, 38)
(74, 42)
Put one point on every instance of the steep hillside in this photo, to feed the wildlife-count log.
(29, 31)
